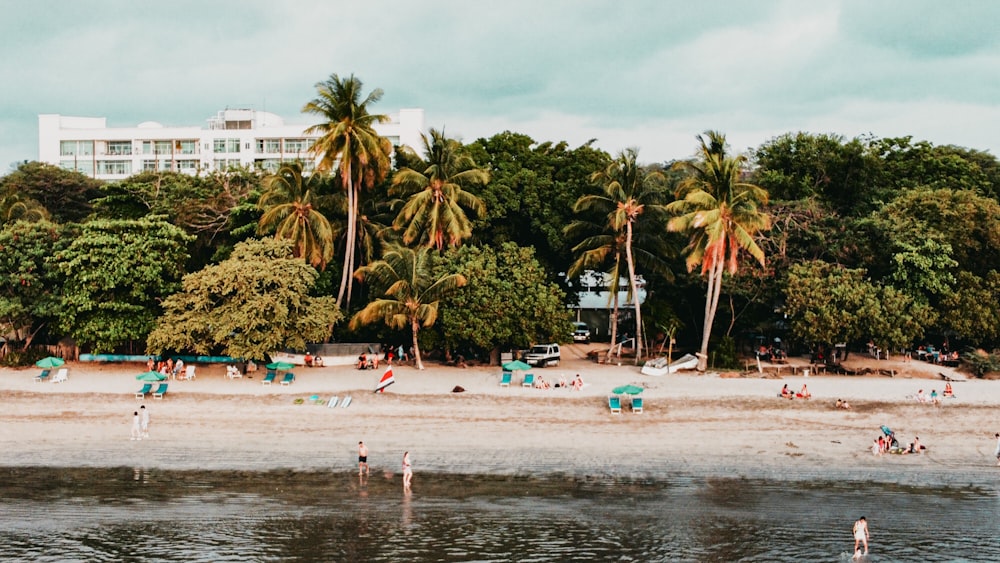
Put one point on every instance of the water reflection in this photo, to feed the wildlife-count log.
(153, 515)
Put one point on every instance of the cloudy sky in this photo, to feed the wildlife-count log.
(649, 74)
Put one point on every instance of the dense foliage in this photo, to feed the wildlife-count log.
(890, 240)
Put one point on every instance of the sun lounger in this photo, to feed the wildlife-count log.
(42, 376)
(288, 379)
(160, 391)
(189, 373)
(142, 392)
(529, 380)
(505, 379)
(333, 402)
(61, 375)
(615, 404)
(269, 378)
(637, 405)
(346, 403)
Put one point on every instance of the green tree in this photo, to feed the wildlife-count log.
(65, 194)
(117, 273)
(348, 140)
(250, 305)
(722, 214)
(410, 292)
(480, 317)
(436, 200)
(289, 210)
(629, 192)
(972, 311)
(29, 284)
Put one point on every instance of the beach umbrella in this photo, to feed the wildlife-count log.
(516, 365)
(627, 390)
(50, 362)
(386, 380)
(151, 376)
(280, 366)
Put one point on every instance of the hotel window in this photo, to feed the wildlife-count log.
(120, 148)
(162, 147)
(189, 146)
(272, 146)
(84, 166)
(155, 165)
(295, 145)
(268, 164)
(187, 165)
(233, 145)
(79, 148)
(223, 164)
(114, 167)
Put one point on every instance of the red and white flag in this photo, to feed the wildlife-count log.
(386, 380)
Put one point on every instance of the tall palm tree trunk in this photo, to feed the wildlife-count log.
(415, 325)
(635, 292)
(348, 273)
(711, 305)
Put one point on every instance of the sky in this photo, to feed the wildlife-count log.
(646, 74)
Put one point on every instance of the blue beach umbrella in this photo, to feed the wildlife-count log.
(50, 362)
(151, 376)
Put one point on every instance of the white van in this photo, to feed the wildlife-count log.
(543, 355)
(581, 333)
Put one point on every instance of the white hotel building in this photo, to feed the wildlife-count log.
(234, 137)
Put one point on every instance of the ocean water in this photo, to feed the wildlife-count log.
(126, 514)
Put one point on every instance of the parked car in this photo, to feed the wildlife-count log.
(543, 355)
(581, 332)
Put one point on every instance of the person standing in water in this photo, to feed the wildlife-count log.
(407, 471)
(363, 458)
(860, 536)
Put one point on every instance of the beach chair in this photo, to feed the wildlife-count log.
(288, 379)
(141, 393)
(615, 404)
(505, 379)
(637, 405)
(61, 375)
(269, 378)
(161, 390)
(189, 372)
(529, 380)
(42, 376)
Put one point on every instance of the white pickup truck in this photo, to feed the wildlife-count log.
(543, 355)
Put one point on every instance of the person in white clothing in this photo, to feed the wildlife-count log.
(144, 421)
(136, 435)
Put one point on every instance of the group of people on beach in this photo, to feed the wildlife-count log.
(140, 424)
(576, 384)
(787, 393)
(364, 469)
(168, 368)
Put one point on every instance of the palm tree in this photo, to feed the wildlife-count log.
(349, 141)
(628, 191)
(288, 205)
(14, 207)
(721, 214)
(411, 295)
(433, 214)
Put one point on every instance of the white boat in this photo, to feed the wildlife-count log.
(659, 366)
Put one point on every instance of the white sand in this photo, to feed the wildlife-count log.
(704, 424)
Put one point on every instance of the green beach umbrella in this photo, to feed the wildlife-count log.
(151, 376)
(516, 365)
(280, 366)
(627, 390)
(50, 362)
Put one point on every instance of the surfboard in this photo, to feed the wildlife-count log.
(347, 402)
(333, 402)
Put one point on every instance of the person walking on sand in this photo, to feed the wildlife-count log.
(997, 453)
(144, 421)
(860, 536)
(363, 458)
(407, 471)
(136, 432)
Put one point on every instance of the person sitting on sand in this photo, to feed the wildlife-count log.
(947, 390)
(916, 447)
(786, 393)
(540, 383)
(562, 381)
(842, 404)
(877, 447)
(578, 383)
(935, 400)
(804, 393)
(921, 398)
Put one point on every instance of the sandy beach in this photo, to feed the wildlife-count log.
(703, 424)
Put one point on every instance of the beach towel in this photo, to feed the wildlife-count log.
(385, 381)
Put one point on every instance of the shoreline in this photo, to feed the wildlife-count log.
(692, 425)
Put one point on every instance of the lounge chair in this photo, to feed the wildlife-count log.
(615, 404)
(141, 393)
(42, 376)
(189, 372)
(288, 379)
(160, 391)
(505, 379)
(529, 380)
(61, 375)
(269, 378)
(637, 405)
